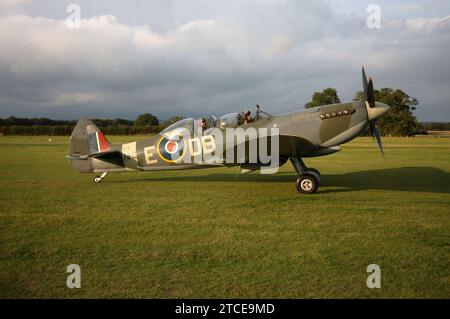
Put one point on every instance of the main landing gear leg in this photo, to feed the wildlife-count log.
(308, 178)
(98, 179)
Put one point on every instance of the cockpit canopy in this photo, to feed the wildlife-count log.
(235, 119)
(229, 120)
(192, 127)
(180, 128)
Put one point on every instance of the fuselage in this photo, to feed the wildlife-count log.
(307, 133)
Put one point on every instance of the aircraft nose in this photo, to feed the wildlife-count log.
(377, 111)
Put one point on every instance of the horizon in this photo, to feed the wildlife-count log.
(161, 120)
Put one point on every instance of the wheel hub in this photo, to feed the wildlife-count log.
(306, 185)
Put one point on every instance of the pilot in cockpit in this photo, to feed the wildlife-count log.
(203, 124)
(247, 118)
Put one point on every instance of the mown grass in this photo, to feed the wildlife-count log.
(215, 233)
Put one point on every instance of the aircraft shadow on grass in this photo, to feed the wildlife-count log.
(412, 179)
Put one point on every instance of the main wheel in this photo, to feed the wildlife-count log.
(315, 172)
(97, 179)
(307, 184)
(311, 169)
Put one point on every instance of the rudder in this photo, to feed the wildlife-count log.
(86, 141)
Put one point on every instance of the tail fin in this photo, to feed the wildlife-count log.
(85, 142)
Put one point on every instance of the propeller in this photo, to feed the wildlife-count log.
(373, 111)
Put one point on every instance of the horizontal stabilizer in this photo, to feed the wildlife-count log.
(95, 155)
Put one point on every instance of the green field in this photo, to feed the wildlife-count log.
(214, 233)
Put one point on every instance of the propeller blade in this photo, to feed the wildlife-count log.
(365, 84)
(376, 133)
(371, 130)
(370, 94)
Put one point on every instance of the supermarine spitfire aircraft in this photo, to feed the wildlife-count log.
(307, 133)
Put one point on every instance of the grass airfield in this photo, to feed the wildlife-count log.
(214, 233)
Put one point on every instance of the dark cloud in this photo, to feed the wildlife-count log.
(180, 57)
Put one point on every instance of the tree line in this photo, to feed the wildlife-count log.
(144, 124)
(399, 121)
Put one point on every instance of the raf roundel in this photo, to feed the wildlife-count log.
(171, 147)
(171, 151)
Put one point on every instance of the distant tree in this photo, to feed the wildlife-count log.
(400, 120)
(327, 96)
(435, 126)
(146, 119)
(122, 122)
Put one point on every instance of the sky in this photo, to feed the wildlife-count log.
(199, 57)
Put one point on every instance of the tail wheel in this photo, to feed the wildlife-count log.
(98, 179)
(307, 184)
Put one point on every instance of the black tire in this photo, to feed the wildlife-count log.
(307, 184)
(311, 169)
(97, 179)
